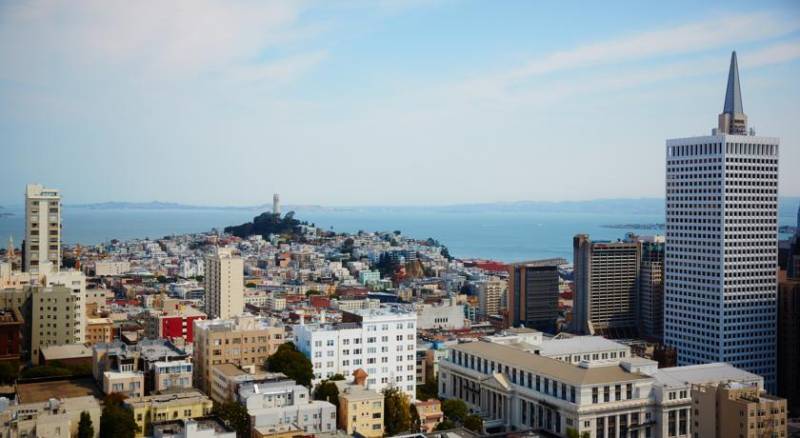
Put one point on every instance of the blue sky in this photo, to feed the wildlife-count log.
(379, 102)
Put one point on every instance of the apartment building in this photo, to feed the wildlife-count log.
(737, 410)
(170, 376)
(54, 418)
(360, 409)
(282, 404)
(382, 341)
(99, 330)
(447, 314)
(490, 295)
(157, 408)
(224, 284)
(226, 378)
(243, 340)
(58, 316)
(42, 243)
(533, 294)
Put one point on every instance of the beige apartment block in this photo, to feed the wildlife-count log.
(226, 377)
(58, 317)
(224, 284)
(42, 228)
(158, 408)
(129, 383)
(244, 340)
(430, 414)
(99, 330)
(360, 409)
(737, 410)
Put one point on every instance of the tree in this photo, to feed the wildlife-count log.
(474, 423)
(9, 371)
(455, 410)
(428, 390)
(294, 364)
(396, 411)
(445, 425)
(116, 420)
(85, 427)
(336, 377)
(327, 391)
(235, 416)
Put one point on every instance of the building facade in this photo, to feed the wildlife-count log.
(651, 291)
(721, 244)
(381, 341)
(606, 287)
(243, 340)
(490, 294)
(42, 229)
(224, 284)
(789, 343)
(737, 410)
(533, 294)
(158, 408)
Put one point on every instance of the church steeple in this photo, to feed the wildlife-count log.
(733, 119)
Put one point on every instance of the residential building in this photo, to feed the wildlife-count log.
(172, 323)
(11, 324)
(533, 294)
(169, 376)
(367, 277)
(513, 387)
(789, 343)
(720, 296)
(106, 268)
(200, 427)
(157, 408)
(242, 340)
(42, 229)
(360, 409)
(430, 414)
(58, 316)
(490, 295)
(279, 404)
(149, 358)
(724, 410)
(651, 290)
(54, 418)
(77, 355)
(382, 341)
(226, 377)
(447, 314)
(224, 284)
(99, 330)
(606, 285)
(127, 383)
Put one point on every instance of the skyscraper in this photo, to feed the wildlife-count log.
(224, 284)
(651, 290)
(606, 285)
(533, 294)
(721, 243)
(42, 246)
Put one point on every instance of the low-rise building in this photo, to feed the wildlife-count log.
(55, 418)
(226, 377)
(281, 405)
(128, 383)
(360, 409)
(447, 314)
(99, 330)
(170, 376)
(10, 325)
(201, 427)
(430, 414)
(737, 410)
(70, 354)
(157, 408)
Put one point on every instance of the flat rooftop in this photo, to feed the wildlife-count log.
(520, 359)
(68, 351)
(578, 345)
(43, 391)
(704, 373)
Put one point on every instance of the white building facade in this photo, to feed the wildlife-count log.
(42, 228)
(381, 341)
(722, 243)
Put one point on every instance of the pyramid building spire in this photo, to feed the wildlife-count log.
(733, 120)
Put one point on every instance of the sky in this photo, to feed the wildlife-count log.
(408, 102)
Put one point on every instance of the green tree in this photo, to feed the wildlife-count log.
(327, 391)
(235, 416)
(428, 390)
(336, 377)
(294, 364)
(9, 371)
(250, 285)
(445, 425)
(85, 427)
(473, 423)
(396, 411)
(455, 410)
(116, 420)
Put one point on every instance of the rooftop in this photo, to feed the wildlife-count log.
(55, 352)
(67, 388)
(705, 373)
(524, 360)
(554, 262)
(180, 399)
(578, 344)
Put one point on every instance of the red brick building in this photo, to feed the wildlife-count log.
(10, 328)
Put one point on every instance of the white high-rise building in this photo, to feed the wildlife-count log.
(224, 284)
(722, 244)
(381, 341)
(276, 204)
(42, 228)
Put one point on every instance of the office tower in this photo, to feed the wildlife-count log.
(224, 284)
(490, 293)
(276, 204)
(789, 342)
(42, 228)
(651, 290)
(721, 244)
(606, 284)
(533, 294)
(244, 341)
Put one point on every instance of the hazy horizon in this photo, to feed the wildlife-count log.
(415, 102)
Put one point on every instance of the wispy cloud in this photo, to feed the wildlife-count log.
(683, 39)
